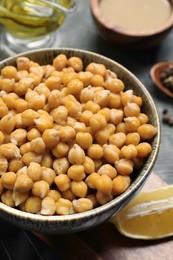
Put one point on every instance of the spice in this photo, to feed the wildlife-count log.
(166, 76)
(167, 119)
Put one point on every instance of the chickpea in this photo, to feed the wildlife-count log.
(76, 172)
(89, 166)
(76, 63)
(121, 128)
(55, 98)
(95, 151)
(7, 123)
(129, 151)
(38, 145)
(116, 116)
(66, 133)
(109, 170)
(124, 166)
(53, 83)
(75, 87)
(48, 175)
(15, 164)
(10, 100)
(62, 182)
(114, 85)
(143, 149)
(79, 188)
(131, 124)
(56, 195)
(21, 74)
(60, 150)
(96, 68)
(60, 62)
(97, 122)
(9, 72)
(37, 102)
(85, 117)
(110, 153)
(23, 85)
(114, 100)
(64, 207)
(23, 183)
(101, 97)
(43, 123)
(25, 148)
(31, 157)
(50, 137)
(147, 131)
(126, 97)
(47, 160)
(106, 112)
(23, 63)
(28, 117)
(9, 150)
(85, 77)
(18, 136)
(33, 204)
(91, 180)
(79, 127)
(82, 205)
(8, 180)
(86, 94)
(2, 137)
(67, 77)
(48, 206)
(84, 140)
(120, 184)
(91, 106)
(20, 197)
(61, 165)
(33, 134)
(59, 114)
(21, 105)
(117, 139)
(68, 194)
(102, 136)
(103, 198)
(131, 109)
(143, 118)
(132, 138)
(7, 198)
(74, 108)
(76, 155)
(40, 188)
(104, 184)
(34, 171)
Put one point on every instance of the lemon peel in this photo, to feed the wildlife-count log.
(148, 216)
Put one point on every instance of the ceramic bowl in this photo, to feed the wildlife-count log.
(81, 221)
(155, 73)
(128, 39)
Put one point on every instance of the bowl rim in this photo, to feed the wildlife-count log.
(94, 7)
(136, 184)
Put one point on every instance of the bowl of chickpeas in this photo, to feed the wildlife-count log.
(79, 136)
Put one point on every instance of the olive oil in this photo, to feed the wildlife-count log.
(31, 18)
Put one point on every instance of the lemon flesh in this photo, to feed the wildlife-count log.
(148, 216)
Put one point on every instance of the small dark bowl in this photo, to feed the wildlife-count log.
(129, 39)
(81, 221)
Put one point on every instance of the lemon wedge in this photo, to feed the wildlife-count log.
(148, 216)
